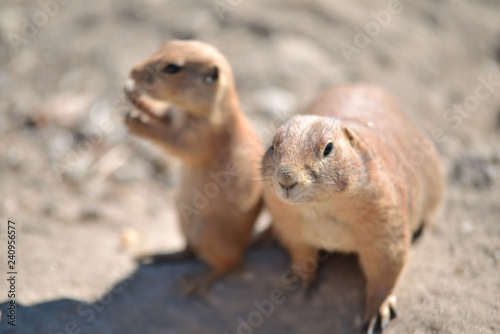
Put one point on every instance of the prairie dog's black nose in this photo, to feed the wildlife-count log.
(287, 178)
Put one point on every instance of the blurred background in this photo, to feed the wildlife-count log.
(88, 197)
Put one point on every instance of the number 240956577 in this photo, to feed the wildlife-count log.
(11, 245)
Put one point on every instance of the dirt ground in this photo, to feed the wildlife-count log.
(86, 196)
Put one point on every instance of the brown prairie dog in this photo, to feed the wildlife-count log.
(190, 109)
(339, 180)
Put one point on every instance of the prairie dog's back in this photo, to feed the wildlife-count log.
(361, 104)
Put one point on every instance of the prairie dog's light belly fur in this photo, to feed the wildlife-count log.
(326, 231)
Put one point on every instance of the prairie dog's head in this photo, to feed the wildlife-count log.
(190, 74)
(311, 158)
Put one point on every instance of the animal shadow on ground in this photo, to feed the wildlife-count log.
(261, 297)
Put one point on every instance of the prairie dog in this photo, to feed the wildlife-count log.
(187, 104)
(354, 175)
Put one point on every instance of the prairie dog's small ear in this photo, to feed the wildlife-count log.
(212, 75)
(351, 136)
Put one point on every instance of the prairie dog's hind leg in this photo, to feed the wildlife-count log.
(201, 283)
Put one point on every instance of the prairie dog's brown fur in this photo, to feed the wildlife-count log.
(353, 176)
(202, 124)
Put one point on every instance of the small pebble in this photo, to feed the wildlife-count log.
(54, 266)
(130, 237)
(467, 227)
(88, 214)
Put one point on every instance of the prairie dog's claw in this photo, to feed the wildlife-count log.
(198, 284)
(378, 322)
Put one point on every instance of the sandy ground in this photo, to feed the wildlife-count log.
(86, 197)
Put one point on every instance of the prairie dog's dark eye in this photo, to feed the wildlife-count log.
(328, 149)
(172, 68)
(271, 149)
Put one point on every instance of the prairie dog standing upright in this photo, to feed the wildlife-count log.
(355, 175)
(187, 104)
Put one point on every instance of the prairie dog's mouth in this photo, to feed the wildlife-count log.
(147, 109)
(292, 195)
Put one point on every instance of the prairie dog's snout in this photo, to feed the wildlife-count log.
(134, 74)
(148, 77)
(133, 90)
(293, 183)
(286, 177)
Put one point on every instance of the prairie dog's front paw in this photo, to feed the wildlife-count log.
(133, 122)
